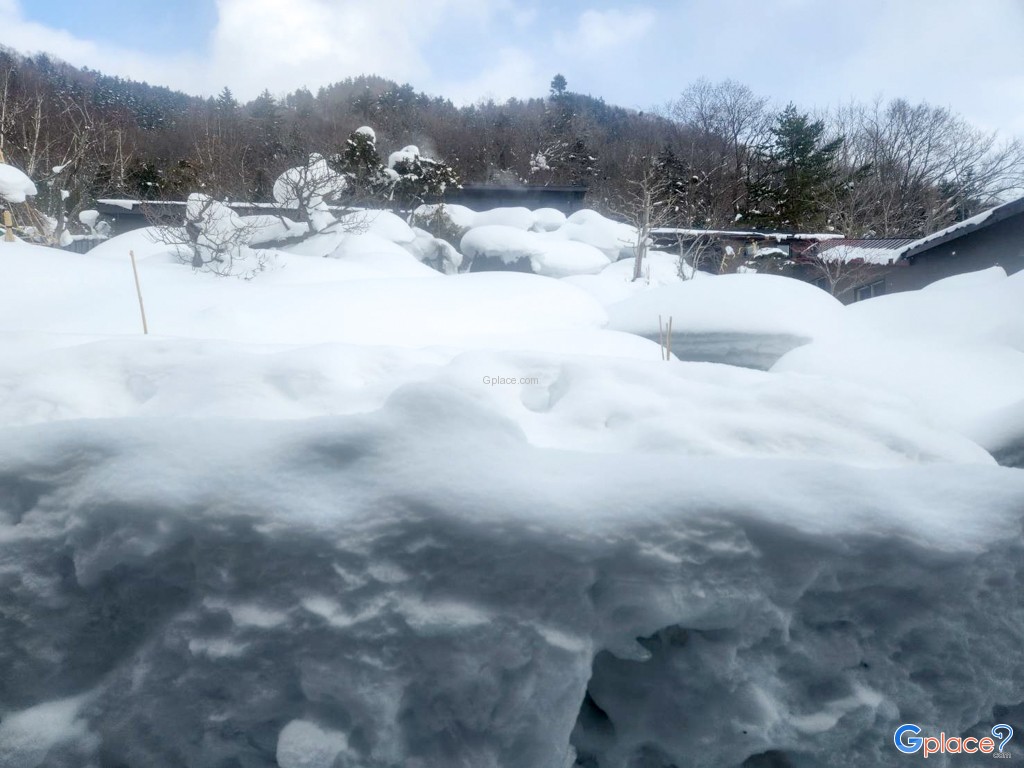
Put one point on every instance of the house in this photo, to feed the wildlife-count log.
(869, 268)
(716, 249)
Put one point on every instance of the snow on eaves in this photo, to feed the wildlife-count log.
(943, 234)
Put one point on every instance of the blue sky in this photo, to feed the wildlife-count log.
(967, 56)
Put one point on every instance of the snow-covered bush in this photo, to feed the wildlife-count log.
(217, 239)
(417, 178)
(309, 188)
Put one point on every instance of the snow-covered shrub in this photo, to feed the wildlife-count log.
(309, 188)
(417, 178)
(217, 239)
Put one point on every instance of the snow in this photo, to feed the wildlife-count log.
(615, 239)
(15, 186)
(547, 254)
(615, 282)
(309, 185)
(741, 303)
(954, 350)
(357, 512)
(864, 254)
(27, 736)
(409, 154)
(541, 220)
(303, 744)
(942, 234)
(89, 218)
(265, 228)
(367, 131)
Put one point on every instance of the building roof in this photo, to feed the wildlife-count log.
(880, 251)
(965, 227)
(745, 234)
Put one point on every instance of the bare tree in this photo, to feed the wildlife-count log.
(212, 238)
(647, 203)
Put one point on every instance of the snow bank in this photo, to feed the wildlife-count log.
(615, 282)
(954, 350)
(421, 586)
(545, 254)
(15, 186)
(732, 303)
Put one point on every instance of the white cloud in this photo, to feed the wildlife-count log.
(29, 37)
(598, 32)
(515, 73)
(279, 45)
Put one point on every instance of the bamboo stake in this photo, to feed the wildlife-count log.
(8, 227)
(665, 338)
(138, 290)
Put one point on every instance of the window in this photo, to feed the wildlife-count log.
(869, 291)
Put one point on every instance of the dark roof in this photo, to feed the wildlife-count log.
(966, 227)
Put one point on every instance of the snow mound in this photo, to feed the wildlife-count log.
(615, 282)
(15, 186)
(755, 304)
(547, 220)
(614, 239)
(954, 350)
(545, 255)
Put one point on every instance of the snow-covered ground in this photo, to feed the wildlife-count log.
(357, 513)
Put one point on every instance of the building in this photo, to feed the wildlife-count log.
(870, 268)
(718, 250)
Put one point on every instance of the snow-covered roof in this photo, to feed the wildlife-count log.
(881, 251)
(747, 234)
(961, 228)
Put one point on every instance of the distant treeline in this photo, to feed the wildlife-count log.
(722, 155)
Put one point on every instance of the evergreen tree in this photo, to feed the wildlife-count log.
(797, 168)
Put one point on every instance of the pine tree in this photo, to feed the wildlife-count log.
(796, 171)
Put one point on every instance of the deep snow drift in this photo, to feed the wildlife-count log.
(356, 513)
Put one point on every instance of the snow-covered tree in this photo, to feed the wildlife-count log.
(418, 178)
(309, 188)
(214, 239)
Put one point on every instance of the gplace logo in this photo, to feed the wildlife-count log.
(909, 741)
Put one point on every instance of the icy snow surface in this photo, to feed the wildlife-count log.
(356, 513)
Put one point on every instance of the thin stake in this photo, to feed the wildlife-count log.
(138, 290)
(8, 227)
(668, 344)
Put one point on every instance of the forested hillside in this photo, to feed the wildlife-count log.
(718, 155)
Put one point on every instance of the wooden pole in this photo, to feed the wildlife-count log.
(8, 227)
(138, 290)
